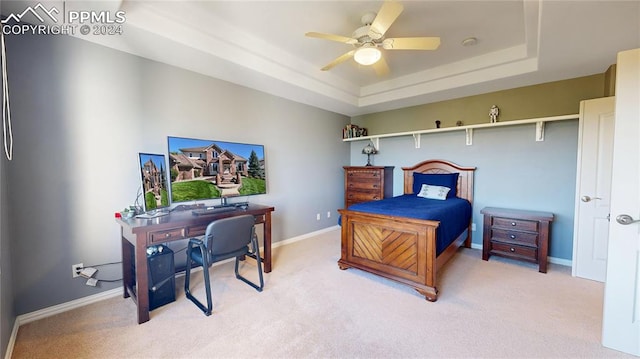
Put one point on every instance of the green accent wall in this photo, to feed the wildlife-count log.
(544, 100)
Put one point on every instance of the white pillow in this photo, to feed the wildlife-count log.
(434, 192)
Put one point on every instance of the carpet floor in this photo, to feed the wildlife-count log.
(311, 309)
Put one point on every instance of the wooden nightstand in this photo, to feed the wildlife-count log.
(367, 183)
(517, 234)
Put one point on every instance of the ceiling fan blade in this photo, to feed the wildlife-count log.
(339, 60)
(381, 68)
(338, 38)
(411, 43)
(388, 13)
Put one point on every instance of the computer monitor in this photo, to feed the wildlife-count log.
(153, 174)
(207, 169)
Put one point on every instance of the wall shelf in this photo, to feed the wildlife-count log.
(417, 135)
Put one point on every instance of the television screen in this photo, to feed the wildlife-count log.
(206, 169)
(155, 191)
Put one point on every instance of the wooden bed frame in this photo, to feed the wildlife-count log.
(400, 248)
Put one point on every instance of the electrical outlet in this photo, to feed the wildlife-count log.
(76, 269)
(328, 214)
(473, 227)
(318, 216)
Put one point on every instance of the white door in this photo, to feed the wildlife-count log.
(621, 317)
(593, 188)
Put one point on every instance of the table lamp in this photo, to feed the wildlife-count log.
(369, 150)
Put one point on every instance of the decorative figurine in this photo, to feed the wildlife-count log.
(438, 123)
(493, 113)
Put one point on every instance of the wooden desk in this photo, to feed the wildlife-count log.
(137, 234)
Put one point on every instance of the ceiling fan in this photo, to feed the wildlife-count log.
(369, 38)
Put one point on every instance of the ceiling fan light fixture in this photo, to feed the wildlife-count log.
(367, 55)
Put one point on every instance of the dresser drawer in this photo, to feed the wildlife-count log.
(509, 249)
(363, 196)
(166, 235)
(515, 224)
(515, 237)
(367, 183)
(362, 184)
(363, 175)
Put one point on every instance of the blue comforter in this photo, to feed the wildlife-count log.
(454, 214)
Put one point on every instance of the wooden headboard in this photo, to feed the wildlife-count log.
(465, 179)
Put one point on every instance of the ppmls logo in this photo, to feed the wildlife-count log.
(34, 11)
(70, 22)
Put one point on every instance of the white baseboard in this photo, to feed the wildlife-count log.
(56, 309)
(77, 303)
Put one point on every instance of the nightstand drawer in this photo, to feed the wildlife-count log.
(515, 237)
(525, 252)
(515, 224)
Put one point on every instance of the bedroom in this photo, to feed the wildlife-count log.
(104, 106)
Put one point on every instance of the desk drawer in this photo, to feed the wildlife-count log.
(196, 231)
(166, 235)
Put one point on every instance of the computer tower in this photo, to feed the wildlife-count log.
(162, 279)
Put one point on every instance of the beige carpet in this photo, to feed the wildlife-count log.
(311, 309)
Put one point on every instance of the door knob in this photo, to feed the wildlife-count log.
(588, 199)
(626, 219)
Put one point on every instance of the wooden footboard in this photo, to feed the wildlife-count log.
(400, 248)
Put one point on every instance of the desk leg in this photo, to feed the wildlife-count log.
(142, 288)
(127, 266)
(267, 242)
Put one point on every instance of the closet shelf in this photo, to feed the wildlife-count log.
(539, 135)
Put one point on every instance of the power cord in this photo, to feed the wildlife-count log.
(7, 132)
(89, 273)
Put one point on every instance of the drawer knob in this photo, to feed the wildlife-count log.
(513, 236)
(375, 186)
(512, 249)
(167, 235)
(513, 223)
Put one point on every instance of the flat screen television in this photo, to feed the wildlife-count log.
(208, 169)
(155, 193)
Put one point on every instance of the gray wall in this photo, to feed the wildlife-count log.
(513, 170)
(81, 115)
(7, 313)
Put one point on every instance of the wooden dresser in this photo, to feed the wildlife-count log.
(517, 234)
(367, 183)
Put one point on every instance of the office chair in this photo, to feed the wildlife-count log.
(223, 239)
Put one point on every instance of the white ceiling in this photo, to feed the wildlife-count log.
(261, 44)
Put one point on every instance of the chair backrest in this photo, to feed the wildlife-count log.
(226, 237)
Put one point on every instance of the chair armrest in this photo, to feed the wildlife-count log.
(254, 244)
(195, 241)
